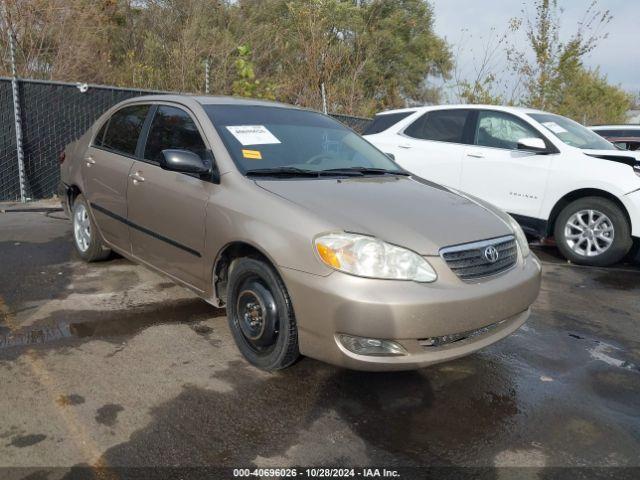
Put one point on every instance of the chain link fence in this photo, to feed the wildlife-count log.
(53, 114)
(9, 181)
(359, 124)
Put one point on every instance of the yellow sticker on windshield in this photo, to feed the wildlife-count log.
(253, 154)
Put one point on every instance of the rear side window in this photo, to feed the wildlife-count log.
(384, 121)
(440, 125)
(173, 128)
(124, 128)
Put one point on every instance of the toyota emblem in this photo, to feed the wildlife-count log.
(491, 254)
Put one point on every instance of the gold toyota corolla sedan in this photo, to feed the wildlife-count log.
(315, 242)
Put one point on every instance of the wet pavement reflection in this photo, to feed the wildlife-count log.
(147, 374)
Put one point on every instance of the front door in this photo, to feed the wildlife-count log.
(105, 170)
(496, 171)
(166, 210)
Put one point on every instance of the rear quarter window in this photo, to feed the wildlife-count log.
(385, 121)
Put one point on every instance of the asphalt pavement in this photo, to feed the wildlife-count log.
(108, 365)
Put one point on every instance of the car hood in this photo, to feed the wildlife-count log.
(623, 156)
(411, 213)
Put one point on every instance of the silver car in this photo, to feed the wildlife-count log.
(315, 242)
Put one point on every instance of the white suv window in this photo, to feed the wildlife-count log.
(502, 130)
(440, 125)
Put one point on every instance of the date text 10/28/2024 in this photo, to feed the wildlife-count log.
(315, 472)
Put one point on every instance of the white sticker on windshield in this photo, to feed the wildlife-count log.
(252, 134)
(554, 127)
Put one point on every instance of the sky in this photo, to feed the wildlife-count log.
(618, 56)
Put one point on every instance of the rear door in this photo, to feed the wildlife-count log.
(105, 170)
(496, 171)
(432, 147)
(167, 209)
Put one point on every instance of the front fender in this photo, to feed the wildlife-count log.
(632, 203)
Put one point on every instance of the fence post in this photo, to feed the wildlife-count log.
(206, 76)
(16, 106)
(324, 98)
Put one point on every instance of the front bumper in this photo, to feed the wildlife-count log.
(408, 312)
(632, 204)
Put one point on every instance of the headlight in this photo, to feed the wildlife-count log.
(369, 257)
(521, 238)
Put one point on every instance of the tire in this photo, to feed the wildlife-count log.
(260, 315)
(85, 234)
(593, 231)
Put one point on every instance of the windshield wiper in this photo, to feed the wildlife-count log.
(281, 171)
(366, 170)
(301, 172)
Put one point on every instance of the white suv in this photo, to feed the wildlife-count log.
(553, 175)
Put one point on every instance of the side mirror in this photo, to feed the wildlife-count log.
(183, 161)
(532, 144)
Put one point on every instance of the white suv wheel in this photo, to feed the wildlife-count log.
(589, 232)
(593, 231)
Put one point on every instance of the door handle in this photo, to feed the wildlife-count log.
(475, 155)
(90, 161)
(404, 146)
(137, 178)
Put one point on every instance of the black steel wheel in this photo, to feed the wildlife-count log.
(260, 315)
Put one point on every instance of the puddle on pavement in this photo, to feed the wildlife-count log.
(108, 323)
(607, 353)
(399, 414)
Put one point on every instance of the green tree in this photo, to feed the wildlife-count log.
(403, 51)
(480, 91)
(587, 97)
(370, 55)
(247, 85)
(556, 79)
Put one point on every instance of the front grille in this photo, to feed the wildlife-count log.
(457, 337)
(469, 261)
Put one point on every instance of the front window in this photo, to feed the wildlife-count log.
(173, 128)
(502, 130)
(572, 133)
(263, 138)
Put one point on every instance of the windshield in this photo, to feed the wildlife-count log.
(264, 139)
(572, 133)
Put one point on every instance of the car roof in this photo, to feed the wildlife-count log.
(615, 127)
(210, 100)
(426, 108)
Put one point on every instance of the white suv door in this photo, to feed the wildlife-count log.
(494, 170)
(432, 146)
